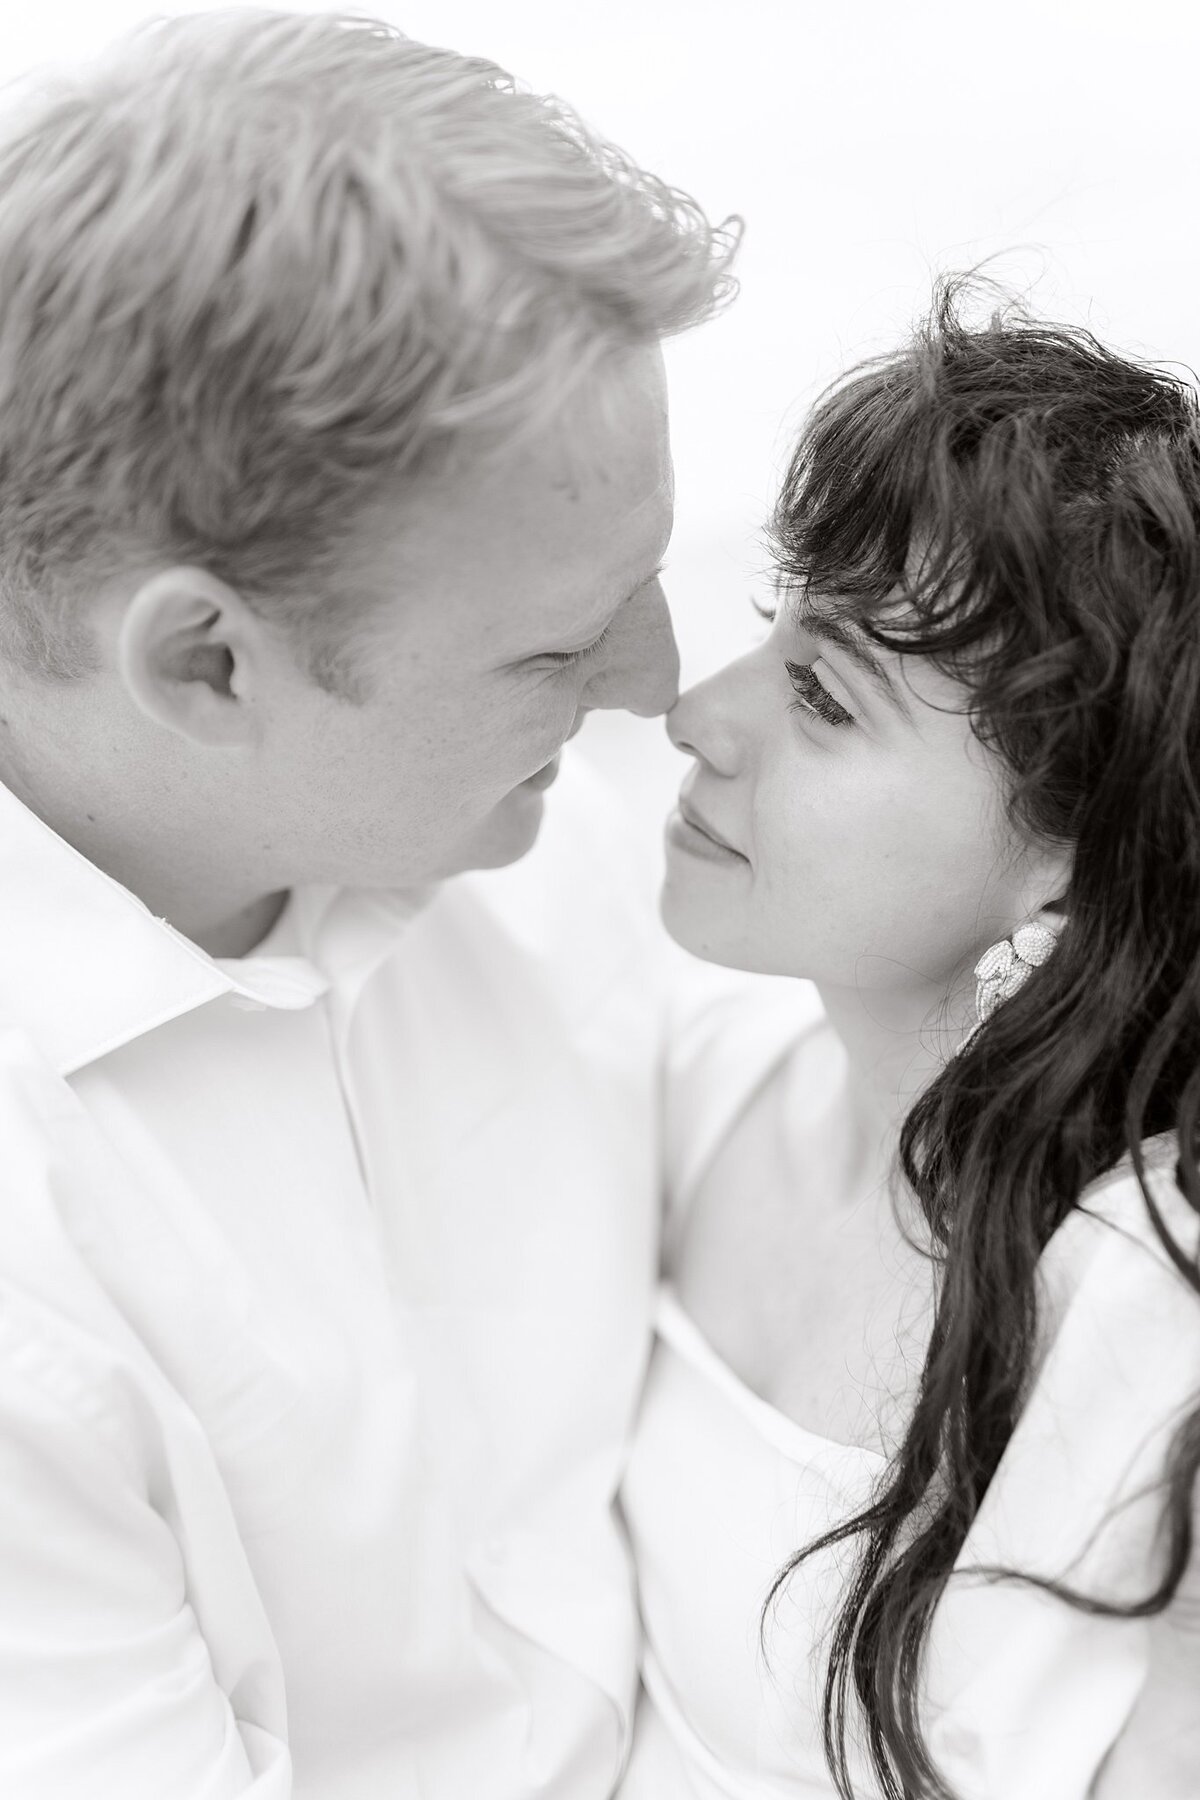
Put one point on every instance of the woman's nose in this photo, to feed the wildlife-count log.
(712, 720)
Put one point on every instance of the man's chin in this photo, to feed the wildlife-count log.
(507, 834)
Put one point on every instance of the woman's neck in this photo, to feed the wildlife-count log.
(896, 1041)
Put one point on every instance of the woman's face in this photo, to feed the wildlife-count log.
(863, 837)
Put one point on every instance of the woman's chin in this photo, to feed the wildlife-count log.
(695, 927)
(714, 923)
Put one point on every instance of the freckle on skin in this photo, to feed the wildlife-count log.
(90, 817)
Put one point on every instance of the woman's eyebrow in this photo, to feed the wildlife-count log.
(827, 628)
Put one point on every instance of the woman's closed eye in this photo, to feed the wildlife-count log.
(811, 697)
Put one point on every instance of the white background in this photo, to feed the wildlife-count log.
(867, 146)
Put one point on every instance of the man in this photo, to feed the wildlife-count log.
(335, 487)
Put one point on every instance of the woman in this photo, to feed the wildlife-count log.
(912, 1489)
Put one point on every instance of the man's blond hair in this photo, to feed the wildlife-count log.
(254, 266)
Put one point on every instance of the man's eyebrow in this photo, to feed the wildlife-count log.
(827, 628)
(651, 575)
(613, 605)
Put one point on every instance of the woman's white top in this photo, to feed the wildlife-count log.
(1025, 1697)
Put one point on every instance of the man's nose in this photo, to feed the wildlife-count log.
(640, 674)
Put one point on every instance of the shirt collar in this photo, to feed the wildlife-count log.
(334, 937)
(85, 967)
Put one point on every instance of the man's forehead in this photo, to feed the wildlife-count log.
(513, 551)
(582, 579)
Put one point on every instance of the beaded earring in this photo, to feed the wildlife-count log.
(1006, 967)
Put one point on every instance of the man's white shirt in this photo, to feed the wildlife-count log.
(325, 1287)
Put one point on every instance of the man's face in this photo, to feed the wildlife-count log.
(508, 600)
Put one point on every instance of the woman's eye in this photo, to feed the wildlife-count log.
(811, 697)
(566, 659)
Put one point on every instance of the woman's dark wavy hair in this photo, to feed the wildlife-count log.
(1034, 500)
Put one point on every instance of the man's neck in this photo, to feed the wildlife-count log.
(239, 933)
(164, 854)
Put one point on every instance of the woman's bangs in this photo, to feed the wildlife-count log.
(866, 519)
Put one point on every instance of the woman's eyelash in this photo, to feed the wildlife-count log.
(813, 698)
(564, 659)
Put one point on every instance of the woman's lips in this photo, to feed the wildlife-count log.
(688, 830)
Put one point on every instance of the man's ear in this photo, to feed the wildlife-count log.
(190, 653)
